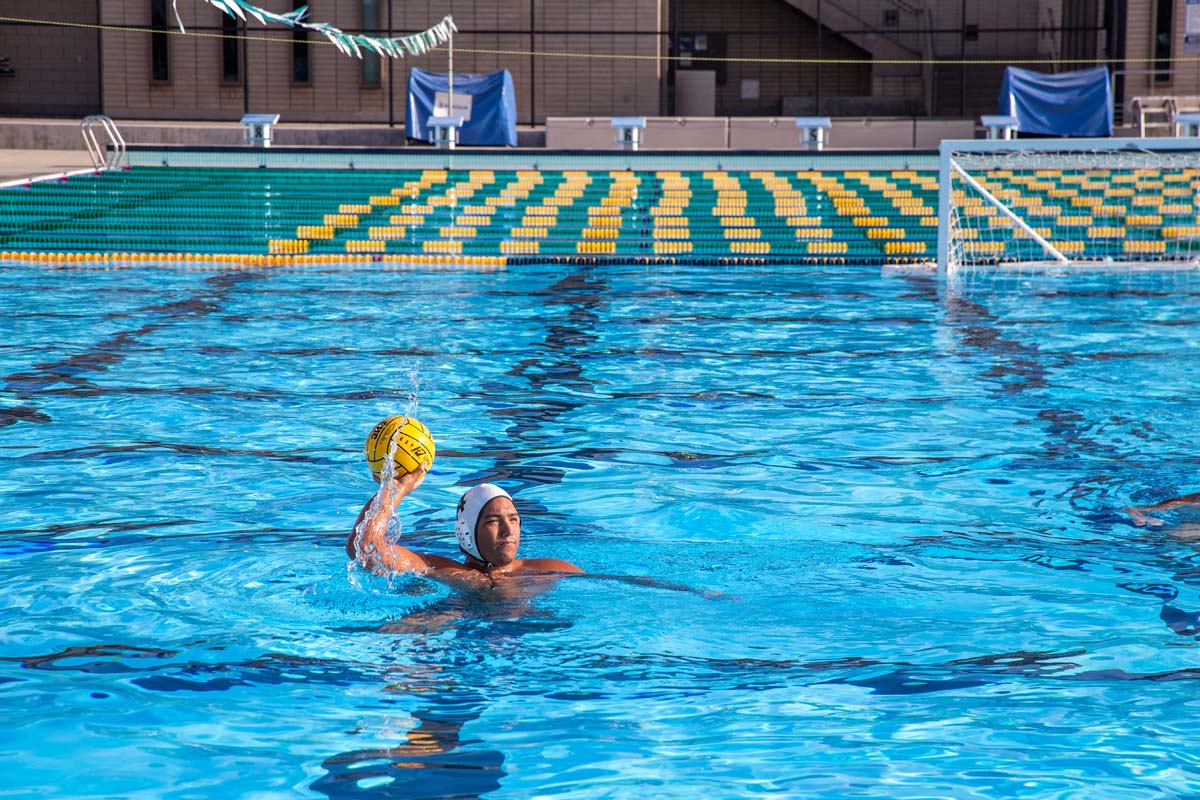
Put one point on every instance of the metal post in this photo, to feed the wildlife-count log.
(944, 190)
(100, 56)
(817, 112)
(532, 63)
(391, 74)
(245, 71)
(962, 61)
(672, 63)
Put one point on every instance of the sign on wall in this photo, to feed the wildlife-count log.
(462, 105)
(1191, 28)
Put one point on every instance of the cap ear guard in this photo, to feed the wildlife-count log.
(470, 505)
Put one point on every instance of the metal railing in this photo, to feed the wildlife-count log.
(116, 157)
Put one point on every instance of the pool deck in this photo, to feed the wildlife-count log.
(18, 164)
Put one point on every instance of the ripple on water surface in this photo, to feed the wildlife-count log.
(890, 511)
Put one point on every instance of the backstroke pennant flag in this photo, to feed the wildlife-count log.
(351, 44)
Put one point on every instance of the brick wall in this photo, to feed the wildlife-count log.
(545, 85)
(55, 66)
(58, 69)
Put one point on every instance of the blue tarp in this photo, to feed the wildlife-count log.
(491, 119)
(1069, 104)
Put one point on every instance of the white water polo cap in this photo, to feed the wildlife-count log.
(469, 508)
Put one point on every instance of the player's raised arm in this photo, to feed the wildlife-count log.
(368, 540)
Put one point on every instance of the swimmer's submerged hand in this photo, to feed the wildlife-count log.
(1141, 516)
(1141, 519)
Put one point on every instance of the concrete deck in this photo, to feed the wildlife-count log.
(64, 134)
(18, 164)
(32, 147)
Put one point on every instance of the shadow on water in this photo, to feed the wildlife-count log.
(444, 685)
(72, 373)
(445, 644)
(572, 306)
(1030, 377)
(435, 759)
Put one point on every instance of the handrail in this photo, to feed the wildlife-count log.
(1154, 111)
(97, 153)
(866, 29)
(903, 5)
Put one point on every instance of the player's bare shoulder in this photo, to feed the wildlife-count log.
(534, 565)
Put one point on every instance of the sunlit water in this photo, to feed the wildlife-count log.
(911, 491)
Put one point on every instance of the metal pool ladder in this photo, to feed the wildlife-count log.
(116, 140)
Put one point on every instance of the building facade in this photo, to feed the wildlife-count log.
(128, 59)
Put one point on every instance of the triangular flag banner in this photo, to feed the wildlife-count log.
(350, 44)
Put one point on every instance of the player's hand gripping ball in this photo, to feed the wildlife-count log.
(414, 445)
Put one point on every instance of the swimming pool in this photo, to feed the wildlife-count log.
(910, 489)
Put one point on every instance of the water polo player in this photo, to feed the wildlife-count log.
(488, 529)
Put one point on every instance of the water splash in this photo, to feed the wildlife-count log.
(414, 391)
(363, 551)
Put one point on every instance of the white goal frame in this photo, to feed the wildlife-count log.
(948, 168)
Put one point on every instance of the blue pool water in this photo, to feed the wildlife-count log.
(907, 492)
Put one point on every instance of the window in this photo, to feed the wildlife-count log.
(231, 71)
(891, 18)
(301, 65)
(160, 61)
(1163, 31)
(370, 60)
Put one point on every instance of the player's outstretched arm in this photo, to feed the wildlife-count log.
(1139, 515)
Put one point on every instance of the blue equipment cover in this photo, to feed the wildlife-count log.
(1069, 104)
(491, 120)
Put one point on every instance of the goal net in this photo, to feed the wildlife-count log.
(1069, 202)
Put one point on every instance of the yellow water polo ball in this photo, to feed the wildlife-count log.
(414, 445)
